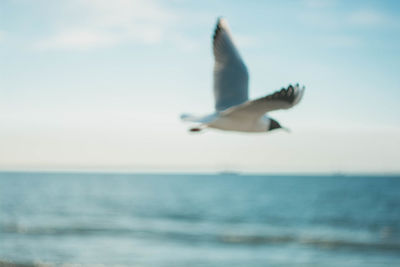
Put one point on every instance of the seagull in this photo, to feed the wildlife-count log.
(233, 110)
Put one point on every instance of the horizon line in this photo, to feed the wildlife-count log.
(194, 172)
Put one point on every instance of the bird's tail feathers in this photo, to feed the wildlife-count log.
(189, 117)
(199, 119)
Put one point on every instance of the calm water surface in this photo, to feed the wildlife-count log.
(198, 220)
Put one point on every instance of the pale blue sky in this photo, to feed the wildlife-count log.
(101, 84)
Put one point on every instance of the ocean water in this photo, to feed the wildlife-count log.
(75, 219)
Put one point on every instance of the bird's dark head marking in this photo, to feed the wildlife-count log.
(274, 125)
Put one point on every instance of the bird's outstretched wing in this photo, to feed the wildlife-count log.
(230, 72)
(283, 99)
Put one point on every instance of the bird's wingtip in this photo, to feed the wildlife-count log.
(221, 26)
(299, 94)
(221, 22)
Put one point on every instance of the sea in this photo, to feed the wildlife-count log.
(174, 220)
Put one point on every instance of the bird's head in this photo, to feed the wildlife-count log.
(273, 125)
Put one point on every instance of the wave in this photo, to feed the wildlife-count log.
(63, 230)
(5, 263)
(310, 241)
(18, 264)
(211, 237)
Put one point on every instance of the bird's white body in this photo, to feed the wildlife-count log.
(240, 125)
(233, 110)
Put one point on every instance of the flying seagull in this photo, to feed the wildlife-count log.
(233, 110)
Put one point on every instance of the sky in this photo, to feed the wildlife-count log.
(100, 85)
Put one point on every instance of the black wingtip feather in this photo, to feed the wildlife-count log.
(285, 94)
(218, 28)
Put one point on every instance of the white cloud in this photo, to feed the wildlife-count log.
(102, 23)
(355, 18)
(76, 39)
